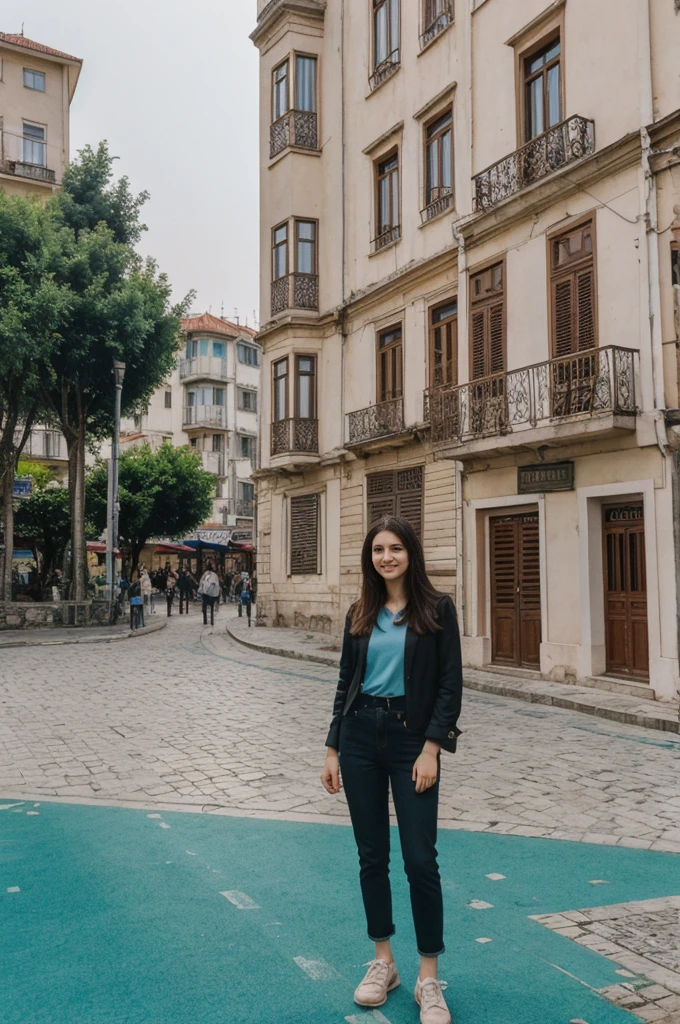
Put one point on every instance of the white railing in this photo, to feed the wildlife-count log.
(203, 416)
(203, 366)
(27, 158)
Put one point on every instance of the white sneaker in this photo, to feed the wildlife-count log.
(433, 1008)
(381, 977)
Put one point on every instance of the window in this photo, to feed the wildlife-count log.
(247, 354)
(168, 399)
(305, 246)
(444, 343)
(387, 200)
(219, 350)
(246, 491)
(305, 387)
(305, 83)
(52, 444)
(396, 493)
(247, 447)
(280, 379)
(192, 349)
(389, 374)
(487, 321)
(304, 534)
(385, 32)
(218, 442)
(194, 442)
(542, 90)
(439, 158)
(572, 288)
(203, 347)
(34, 80)
(248, 401)
(218, 396)
(280, 91)
(279, 252)
(34, 145)
(437, 15)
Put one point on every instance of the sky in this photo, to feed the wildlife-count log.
(173, 86)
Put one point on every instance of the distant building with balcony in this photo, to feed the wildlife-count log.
(210, 403)
(470, 309)
(37, 84)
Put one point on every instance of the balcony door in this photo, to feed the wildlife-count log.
(389, 370)
(573, 321)
(515, 590)
(625, 579)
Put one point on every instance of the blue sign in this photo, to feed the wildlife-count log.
(22, 486)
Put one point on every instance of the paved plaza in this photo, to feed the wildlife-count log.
(109, 753)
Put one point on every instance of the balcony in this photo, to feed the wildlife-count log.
(296, 128)
(203, 416)
(43, 444)
(202, 368)
(376, 422)
(295, 435)
(386, 237)
(436, 206)
(238, 507)
(25, 158)
(439, 20)
(563, 144)
(213, 462)
(385, 70)
(295, 291)
(588, 394)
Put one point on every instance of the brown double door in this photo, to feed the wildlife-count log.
(515, 590)
(625, 586)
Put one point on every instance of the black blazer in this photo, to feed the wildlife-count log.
(433, 679)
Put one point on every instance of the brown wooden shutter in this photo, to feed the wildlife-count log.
(381, 499)
(487, 322)
(563, 317)
(396, 494)
(496, 360)
(572, 271)
(304, 534)
(585, 290)
(478, 344)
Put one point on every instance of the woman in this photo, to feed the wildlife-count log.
(396, 705)
(209, 590)
(146, 587)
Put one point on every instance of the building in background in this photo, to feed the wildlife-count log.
(210, 403)
(37, 84)
(469, 231)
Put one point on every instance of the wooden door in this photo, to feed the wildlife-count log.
(625, 591)
(515, 591)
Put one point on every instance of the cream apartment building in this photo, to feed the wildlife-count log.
(37, 84)
(210, 403)
(470, 233)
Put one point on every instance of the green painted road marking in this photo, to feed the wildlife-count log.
(120, 922)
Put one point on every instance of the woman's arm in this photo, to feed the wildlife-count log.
(344, 680)
(442, 728)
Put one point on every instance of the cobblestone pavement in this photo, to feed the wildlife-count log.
(187, 719)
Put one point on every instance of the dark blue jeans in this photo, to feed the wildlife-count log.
(376, 751)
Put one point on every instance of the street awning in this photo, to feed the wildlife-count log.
(241, 545)
(98, 547)
(173, 549)
(207, 545)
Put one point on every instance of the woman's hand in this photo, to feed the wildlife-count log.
(330, 776)
(426, 768)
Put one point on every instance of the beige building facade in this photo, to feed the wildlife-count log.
(470, 224)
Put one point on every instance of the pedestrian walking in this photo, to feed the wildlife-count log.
(185, 588)
(209, 589)
(171, 578)
(245, 596)
(136, 605)
(146, 586)
(226, 585)
(396, 706)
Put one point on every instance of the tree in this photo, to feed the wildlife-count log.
(32, 307)
(42, 475)
(165, 493)
(45, 518)
(119, 310)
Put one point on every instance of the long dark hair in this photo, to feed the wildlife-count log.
(421, 597)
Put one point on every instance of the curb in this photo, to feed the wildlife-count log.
(129, 635)
(515, 693)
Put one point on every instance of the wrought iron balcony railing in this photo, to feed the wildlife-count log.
(385, 69)
(440, 17)
(295, 435)
(203, 366)
(437, 206)
(295, 291)
(564, 143)
(295, 128)
(376, 421)
(585, 385)
(385, 237)
(203, 416)
(239, 507)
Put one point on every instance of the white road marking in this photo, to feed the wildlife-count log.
(14, 888)
(29, 813)
(163, 824)
(598, 881)
(317, 970)
(483, 940)
(154, 815)
(7, 807)
(365, 1018)
(190, 853)
(480, 905)
(240, 900)
(495, 877)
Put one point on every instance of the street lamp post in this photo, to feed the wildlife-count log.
(112, 503)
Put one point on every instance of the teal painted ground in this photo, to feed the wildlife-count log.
(121, 920)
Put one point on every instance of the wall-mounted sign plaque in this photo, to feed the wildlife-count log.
(545, 476)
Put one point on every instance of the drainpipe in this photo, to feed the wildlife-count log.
(460, 540)
(343, 258)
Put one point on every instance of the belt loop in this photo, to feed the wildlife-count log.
(388, 703)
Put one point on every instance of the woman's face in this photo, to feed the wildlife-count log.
(390, 558)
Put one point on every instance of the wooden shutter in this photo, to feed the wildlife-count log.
(487, 322)
(397, 493)
(585, 291)
(478, 344)
(304, 534)
(563, 317)
(496, 361)
(572, 285)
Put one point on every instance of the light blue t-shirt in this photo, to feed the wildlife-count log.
(385, 658)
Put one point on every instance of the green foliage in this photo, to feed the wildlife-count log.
(45, 518)
(42, 475)
(89, 197)
(165, 493)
